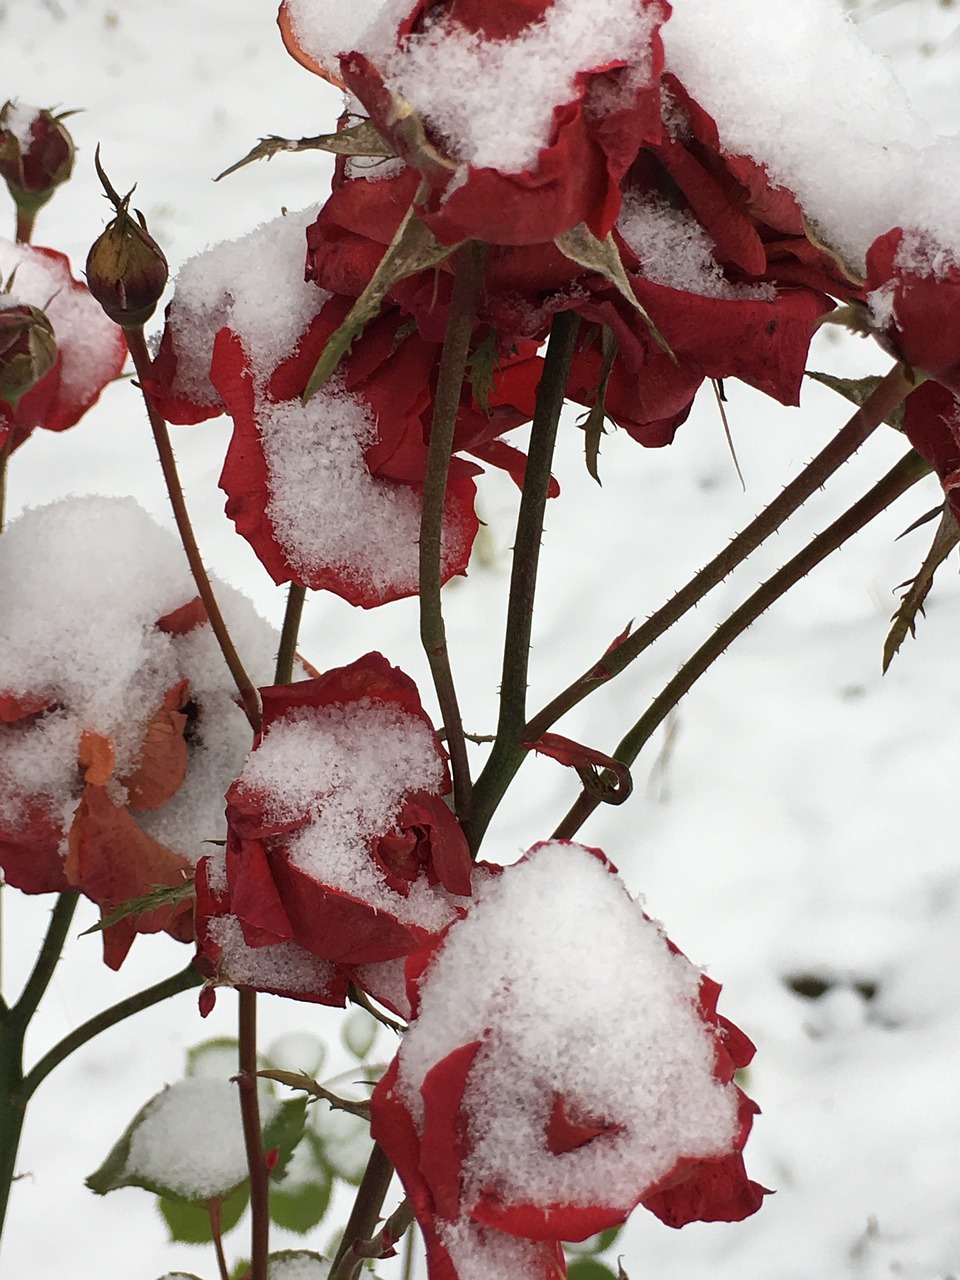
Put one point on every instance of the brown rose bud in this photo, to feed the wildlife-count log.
(28, 348)
(36, 154)
(126, 270)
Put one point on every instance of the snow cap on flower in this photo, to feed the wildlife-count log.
(118, 738)
(521, 118)
(339, 838)
(91, 350)
(564, 1064)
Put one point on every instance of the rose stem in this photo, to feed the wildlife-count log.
(287, 652)
(161, 436)
(467, 283)
(896, 482)
(13, 1027)
(501, 766)
(366, 1207)
(890, 392)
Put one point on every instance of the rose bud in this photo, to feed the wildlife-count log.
(28, 349)
(126, 270)
(36, 154)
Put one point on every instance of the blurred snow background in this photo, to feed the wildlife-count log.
(794, 828)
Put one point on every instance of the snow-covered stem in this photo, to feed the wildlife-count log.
(253, 1136)
(16, 1019)
(894, 484)
(160, 991)
(890, 392)
(287, 652)
(504, 759)
(248, 695)
(468, 281)
(366, 1208)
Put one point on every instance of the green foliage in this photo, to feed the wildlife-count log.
(302, 1198)
(358, 1033)
(190, 1223)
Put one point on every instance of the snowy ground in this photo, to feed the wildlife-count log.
(798, 822)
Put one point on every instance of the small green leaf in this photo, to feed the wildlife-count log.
(284, 1131)
(945, 539)
(297, 1264)
(581, 246)
(589, 1269)
(413, 248)
(858, 391)
(190, 1223)
(215, 1057)
(160, 895)
(303, 1197)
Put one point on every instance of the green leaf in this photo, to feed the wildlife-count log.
(581, 246)
(945, 539)
(160, 895)
(215, 1057)
(858, 391)
(413, 248)
(190, 1223)
(302, 1199)
(283, 1133)
(589, 1269)
(359, 140)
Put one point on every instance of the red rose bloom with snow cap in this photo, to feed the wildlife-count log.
(339, 838)
(505, 1124)
(521, 117)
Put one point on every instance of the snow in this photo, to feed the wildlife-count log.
(327, 510)
(674, 250)
(798, 819)
(18, 119)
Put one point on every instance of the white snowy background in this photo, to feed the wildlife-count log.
(800, 820)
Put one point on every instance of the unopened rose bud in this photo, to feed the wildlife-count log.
(28, 349)
(126, 270)
(36, 154)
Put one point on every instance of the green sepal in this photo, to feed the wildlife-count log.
(945, 539)
(858, 391)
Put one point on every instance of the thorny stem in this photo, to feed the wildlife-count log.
(896, 482)
(365, 1213)
(253, 1137)
(213, 1208)
(467, 284)
(141, 360)
(379, 1246)
(501, 765)
(287, 653)
(890, 392)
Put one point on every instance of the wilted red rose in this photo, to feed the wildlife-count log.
(499, 1115)
(91, 350)
(339, 838)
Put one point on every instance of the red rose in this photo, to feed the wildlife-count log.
(545, 1088)
(338, 835)
(90, 349)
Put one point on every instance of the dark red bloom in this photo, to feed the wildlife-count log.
(501, 1119)
(36, 153)
(509, 155)
(338, 836)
